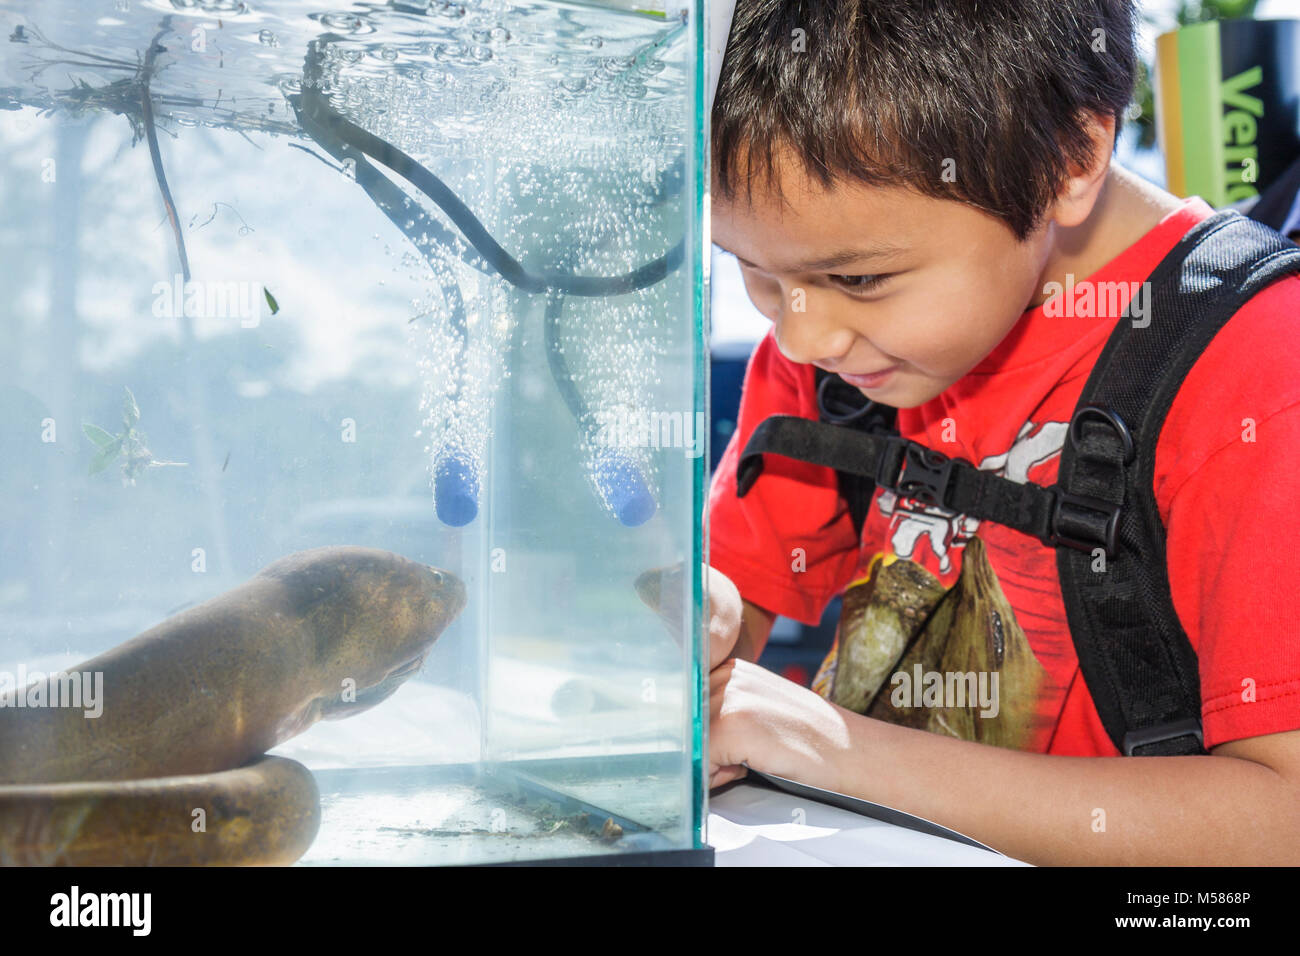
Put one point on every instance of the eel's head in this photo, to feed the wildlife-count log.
(373, 617)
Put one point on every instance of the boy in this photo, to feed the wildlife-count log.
(921, 199)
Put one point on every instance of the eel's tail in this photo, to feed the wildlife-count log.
(266, 812)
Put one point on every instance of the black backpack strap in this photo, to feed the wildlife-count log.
(839, 403)
(1139, 665)
(911, 470)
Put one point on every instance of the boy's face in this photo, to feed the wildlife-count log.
(957, 283)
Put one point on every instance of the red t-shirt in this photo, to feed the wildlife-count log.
(1227, 476)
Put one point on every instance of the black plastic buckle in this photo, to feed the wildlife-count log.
(923, 474)
(1110, 537)
(1159, 734)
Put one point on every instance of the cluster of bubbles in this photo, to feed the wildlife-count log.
(460, 368)
(563, 127)
(477, 85)
(571, 150)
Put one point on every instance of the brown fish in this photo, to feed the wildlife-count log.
(319, 634)
(267, 812)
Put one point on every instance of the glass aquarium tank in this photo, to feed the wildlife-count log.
(351, 412)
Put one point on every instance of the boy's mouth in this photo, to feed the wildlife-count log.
(871, 380)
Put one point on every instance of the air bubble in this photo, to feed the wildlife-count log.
(344, 22)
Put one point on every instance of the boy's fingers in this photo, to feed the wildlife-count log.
(724, 775)
(725, 608)
(724, 733)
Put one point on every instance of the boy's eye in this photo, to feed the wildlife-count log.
(859, 283)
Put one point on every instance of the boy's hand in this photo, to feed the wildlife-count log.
(736, 627)
(773, 725)
(662, 589)
(725, 617)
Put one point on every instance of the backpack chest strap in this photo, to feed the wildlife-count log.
(1053, 515)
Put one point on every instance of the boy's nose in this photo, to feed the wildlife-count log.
(813, 335)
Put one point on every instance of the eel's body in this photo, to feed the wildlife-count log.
(267, 812)
(189, 706)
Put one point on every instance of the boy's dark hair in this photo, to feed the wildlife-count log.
(885, 91)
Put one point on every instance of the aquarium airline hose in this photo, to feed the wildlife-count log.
(618, 476)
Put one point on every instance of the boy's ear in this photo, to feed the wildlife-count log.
(1079, 193)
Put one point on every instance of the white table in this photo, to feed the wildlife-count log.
(752, 825)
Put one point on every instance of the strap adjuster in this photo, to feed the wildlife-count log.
(921, 473)
(1102, 518)
(1147, 736)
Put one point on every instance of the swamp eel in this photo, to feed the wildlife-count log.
(191, 706)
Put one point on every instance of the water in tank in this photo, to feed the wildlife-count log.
(352, 443)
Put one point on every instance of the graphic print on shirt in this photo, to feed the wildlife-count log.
(950, 660)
